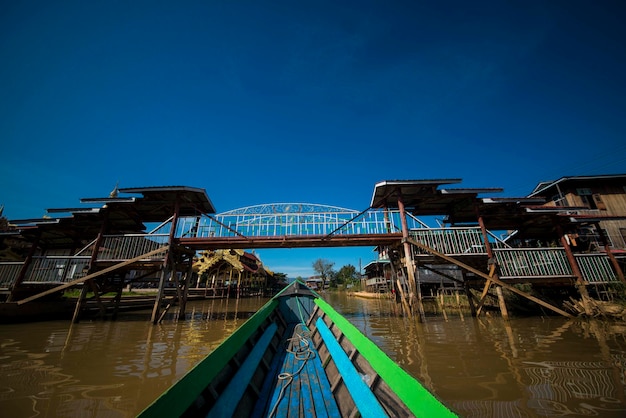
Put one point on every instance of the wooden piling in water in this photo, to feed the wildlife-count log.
(502, 303)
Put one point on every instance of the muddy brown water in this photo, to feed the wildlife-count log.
(526, 367)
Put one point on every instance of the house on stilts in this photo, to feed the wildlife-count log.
(567, 237)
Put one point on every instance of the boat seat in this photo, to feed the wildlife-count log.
(232, 394)
(363, 397)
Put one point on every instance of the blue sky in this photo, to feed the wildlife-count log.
(283, 101)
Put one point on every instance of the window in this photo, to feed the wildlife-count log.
(593, 201)
(559, 200)
(597, 200)
(588, 201)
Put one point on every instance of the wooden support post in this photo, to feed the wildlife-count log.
(238, 284)
(458, 303)
(442, 302)
(470, 298)
(168, 264)
(91, 267)
(216, 279)
(483, 295)
(492, 270)
(420, 299)
(117, 300)
(405, 306)
(186, 281)
(157, 303)
(580, 283)
(408, 255)
(230, 280)
(177, 285)
(609, 253)
(503, 309)
(167, 308)
(79, 303)
(96, 294)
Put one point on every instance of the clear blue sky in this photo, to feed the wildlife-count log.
(297, 101)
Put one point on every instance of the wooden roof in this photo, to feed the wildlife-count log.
(548, 186)
(424, 197)
(461, 206)
(156, 204)
(124, 215)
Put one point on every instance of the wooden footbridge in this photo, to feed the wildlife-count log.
(105, 245)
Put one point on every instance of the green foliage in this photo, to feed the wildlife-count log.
(347, 275)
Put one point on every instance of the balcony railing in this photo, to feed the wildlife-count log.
(451, 241)
(535, 262)
(9, 271)
(596, 268)
(56, 269)
(125, 247)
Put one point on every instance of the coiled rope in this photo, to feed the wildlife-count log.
(300, 346)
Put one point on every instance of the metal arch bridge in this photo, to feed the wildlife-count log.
(278, 225)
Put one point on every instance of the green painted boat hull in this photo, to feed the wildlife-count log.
(345, 348)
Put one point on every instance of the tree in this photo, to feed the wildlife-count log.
(324, 268)
(347, 274)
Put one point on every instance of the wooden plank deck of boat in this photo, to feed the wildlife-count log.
(297, 385)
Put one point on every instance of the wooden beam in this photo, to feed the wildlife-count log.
(487, 277)
(93, 275)
(483, 296)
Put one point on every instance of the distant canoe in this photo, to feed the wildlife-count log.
(297, 357)
(372, 295)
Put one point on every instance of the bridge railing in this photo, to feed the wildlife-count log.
(373, 221)
(9, 271)
(56, 269)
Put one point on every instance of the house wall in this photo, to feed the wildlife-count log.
(603, 200)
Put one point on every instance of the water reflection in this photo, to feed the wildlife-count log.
(110, 369)
(530, 367)
(491, 368)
